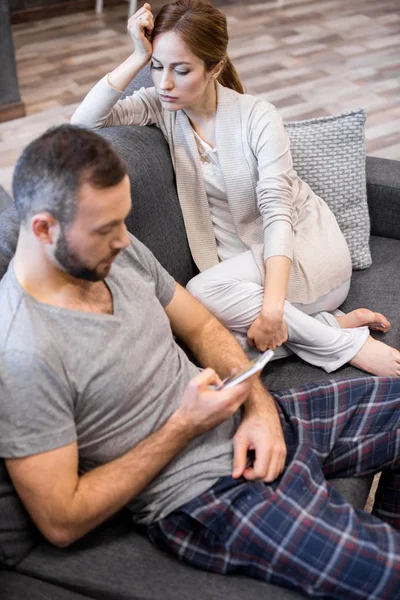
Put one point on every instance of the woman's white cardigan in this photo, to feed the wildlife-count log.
(275, 213)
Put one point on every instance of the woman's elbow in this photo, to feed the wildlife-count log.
(79, 120)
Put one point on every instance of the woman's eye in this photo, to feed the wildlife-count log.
(156, 68)
(182, 72)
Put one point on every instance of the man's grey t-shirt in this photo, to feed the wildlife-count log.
(107, 381)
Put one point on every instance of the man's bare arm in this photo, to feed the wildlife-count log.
(211, 343)
(214, 346)
(65, 506)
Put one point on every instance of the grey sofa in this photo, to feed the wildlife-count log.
(116, 561)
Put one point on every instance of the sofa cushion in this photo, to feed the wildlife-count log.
(115, 562)
(376, 288)
(15, 586)
(329, 154)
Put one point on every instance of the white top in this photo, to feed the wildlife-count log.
(274, 211)
(228, 241)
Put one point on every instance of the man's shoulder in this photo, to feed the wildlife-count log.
(18, 326)
(137, 265)
(10, 302)
(136, 256)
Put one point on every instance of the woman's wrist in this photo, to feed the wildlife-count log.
(139, 60)
(275, 310)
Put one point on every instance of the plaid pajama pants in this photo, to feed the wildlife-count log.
(299, 532)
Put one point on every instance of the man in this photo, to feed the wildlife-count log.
(103, 409)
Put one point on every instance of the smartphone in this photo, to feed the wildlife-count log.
(254, 366)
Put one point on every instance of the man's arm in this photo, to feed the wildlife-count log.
(65, 506)
(211, 343)
(214, 346)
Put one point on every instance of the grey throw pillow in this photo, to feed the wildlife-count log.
(329, 154)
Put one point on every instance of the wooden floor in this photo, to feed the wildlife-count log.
(308, 57)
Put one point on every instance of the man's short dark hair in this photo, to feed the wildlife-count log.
(53, 167)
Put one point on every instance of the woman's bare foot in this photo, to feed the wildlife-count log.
(378, 358)
(363, 316)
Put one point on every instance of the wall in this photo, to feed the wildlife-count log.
(11, 106)
(31, 10)
(17, 5)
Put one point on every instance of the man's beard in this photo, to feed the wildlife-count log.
(72, 264)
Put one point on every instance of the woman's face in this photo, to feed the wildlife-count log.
(179, 76)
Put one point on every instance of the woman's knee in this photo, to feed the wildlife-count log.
(196, 286)
(210, 285)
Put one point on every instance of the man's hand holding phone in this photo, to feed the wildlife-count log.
(207, 402)
(204, 407)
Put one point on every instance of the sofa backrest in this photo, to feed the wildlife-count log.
(156, 218)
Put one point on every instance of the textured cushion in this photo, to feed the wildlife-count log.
(329, 154)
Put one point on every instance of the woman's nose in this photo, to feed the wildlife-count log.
(166, 82)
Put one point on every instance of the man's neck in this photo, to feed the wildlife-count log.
(48, 284)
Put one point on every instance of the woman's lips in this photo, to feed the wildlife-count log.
(168, 98)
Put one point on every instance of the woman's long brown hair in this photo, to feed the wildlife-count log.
(202, 27)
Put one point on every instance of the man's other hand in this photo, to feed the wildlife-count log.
(260, 432)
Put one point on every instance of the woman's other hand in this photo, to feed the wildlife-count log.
(140, 26)
(268, 331)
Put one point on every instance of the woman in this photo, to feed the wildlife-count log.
(269, 250)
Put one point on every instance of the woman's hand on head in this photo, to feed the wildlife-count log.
(268, 331)
(140, 26)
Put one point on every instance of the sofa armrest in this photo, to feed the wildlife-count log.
(383, 192)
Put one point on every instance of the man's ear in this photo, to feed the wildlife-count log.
(45, 228)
